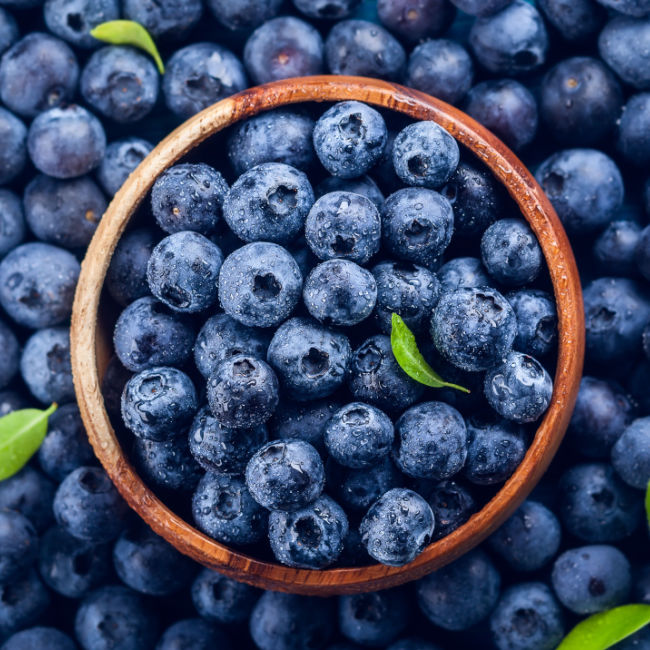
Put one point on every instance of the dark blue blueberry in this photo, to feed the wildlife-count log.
(303, 421)
(480, 7)
(9, 364)
(575, 20)
(37, 284)
(18, 545)
(415, 20)
(309, 538)
(512, 41)
(417, 225)
(462, 272)
(120, 159)
(71, 566)
(30, 493)
(188, 197)
(120, 83)
(340, 293)
(580, 101)
(45, 365)
(222, 599)
(164, 19)
(397, 527)
(590, 579)
(72, 20)
(66, 142)
(452, 505)
(291, 622)
(259, 284)
(193, 634)
(494, 451)
(158, 403)
(12, 220)
(360, 47)
(14, 150)
(326, 9)
(66, 445)
(279, 136)
(268, 203)
(116, 617)
(9, 33)
(282, 48)
(527, 617)
(473, 328)
(88, 506)
(344, 225)
(631, 454)
(460, 594)
(363, 185)
(197, 76)
(375, 618)
(642, 253)
(536, 321)
(507, 108)
(63, 212)
(374, 376)
(37, 73)
(596, 506)
(22, 603)
(223, 508)
(285, 475)
(148, 334)
(630, 63)
(311, 360)
(243, 14)
(39, 638)
(349, 138)
(633, 141)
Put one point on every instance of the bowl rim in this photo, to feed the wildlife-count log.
(90, 352)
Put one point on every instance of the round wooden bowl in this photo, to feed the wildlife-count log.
(91, 347)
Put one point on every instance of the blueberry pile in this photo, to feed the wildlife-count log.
(564, 83)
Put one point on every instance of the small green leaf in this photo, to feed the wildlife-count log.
(128, 32)
(21, 434)
(411, 360)
(603, 630)
(647, 503)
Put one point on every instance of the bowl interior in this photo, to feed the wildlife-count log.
(91, 338)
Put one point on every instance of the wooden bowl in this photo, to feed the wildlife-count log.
(91, 347)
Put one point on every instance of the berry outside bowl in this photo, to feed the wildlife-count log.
(91, 339)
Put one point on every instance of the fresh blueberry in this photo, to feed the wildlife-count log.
(416, 20)
(243, 14)
(164, 19)
(631, 454)
(326, 9)
(536, 321)
(221, 599)
(22, 603)
(575, 20)
(452, 505)
(633, 141)
(480, 7)
(303, 421)
(193, 634)
(30, 493)
(18, 545)
(73, 20)
(630, 63)
(39, 638)
(363, 185)
(120, 159)
(14, 151)
(460, 272)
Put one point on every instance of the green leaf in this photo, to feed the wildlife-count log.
(128, 32)
(647, 503)
(603, 630)
(411, 360)
(21, 434)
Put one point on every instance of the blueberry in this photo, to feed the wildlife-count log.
(64, 212)
(507, 108)
(590, 579)
(148, 334)
(223, 508)
(193, 634)
(303, 421)
(375, 618)
(628, 7)
(158, 402)
(536, 321)
(66, 445)
(71, 566)
(37, 283)
(360, 47)
(269, 202)
(374, 376)
(405, 289)
(494, 451)
(18, 545)
(415, 20)
(631, 454)
(596, 506)
(197, 76)
(349, 138)
(326, 9)
(642, 253)
(116, 617)
(120, 159)
(279, 136)
(512, 41)
(527, 617)
(126, 278)
(164, 19)
(37, 73)
(309, 538)
(417, 225)
(120, 83)
(584, 186)
(462, 272)
(575, 20)
(72, 20)
(45, 365)
(14, 151)
(10, 362)
(581, 101)
(460, 594)
(88, 506)
(614, 45)
(221, 599)
(633, 141)
(35, 638)
(243, 14)
(282, 48)
(363, 185)
(480, 7)
(259, 284)
(22, 603)
(345, 225)
(452, 505)
(66, 142)
(30, 493)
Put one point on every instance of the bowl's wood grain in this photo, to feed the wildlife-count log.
(91, 346)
